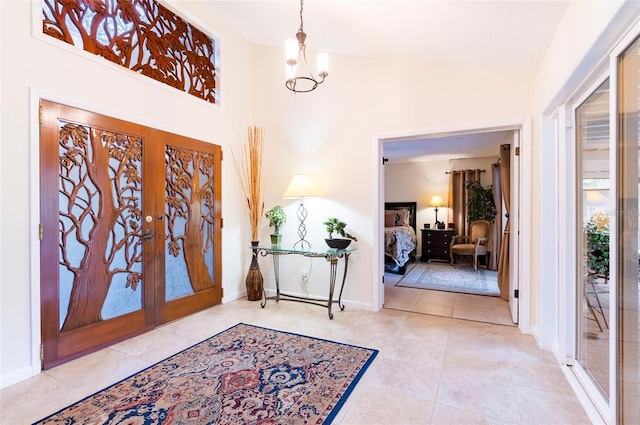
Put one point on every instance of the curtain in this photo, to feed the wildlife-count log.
(458, 198)
(505, 182)
(496, 230)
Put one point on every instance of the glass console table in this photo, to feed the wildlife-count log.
(331, 255)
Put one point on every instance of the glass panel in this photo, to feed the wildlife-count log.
(592, 119)
(628, 143)
(190, 219)
(100, 272)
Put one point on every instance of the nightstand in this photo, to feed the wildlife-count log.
(435, 244)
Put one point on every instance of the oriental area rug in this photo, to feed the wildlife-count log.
(244, 375)
(452, 278)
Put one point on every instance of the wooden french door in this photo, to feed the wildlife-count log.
(130, 230)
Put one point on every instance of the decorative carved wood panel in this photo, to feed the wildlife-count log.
(140, 35)
(100, 222)
(190, 220)
(131, 229)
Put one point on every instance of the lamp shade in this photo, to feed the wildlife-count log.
(436, 201)
(322, 61)
(301, 186)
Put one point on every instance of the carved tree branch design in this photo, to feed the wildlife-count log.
(100, 216)
(140, 35)
(189, 200)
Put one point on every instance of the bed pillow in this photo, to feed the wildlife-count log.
(390, 218)
(403, 218)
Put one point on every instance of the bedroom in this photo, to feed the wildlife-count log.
(416, 169)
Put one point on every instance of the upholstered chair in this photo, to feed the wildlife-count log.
(475, 244)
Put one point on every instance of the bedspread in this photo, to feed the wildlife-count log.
(399, 241)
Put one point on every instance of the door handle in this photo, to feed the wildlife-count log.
(148, 236)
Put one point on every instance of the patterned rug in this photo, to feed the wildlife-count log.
(452, 278)
(244, 375)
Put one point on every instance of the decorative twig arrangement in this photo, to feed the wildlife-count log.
(250, 171)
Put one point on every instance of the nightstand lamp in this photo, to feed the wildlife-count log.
(436, 201)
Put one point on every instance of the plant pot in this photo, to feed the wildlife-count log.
(338, 243)
(276, 239)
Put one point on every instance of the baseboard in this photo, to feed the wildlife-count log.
(15, 377)
(352, 305)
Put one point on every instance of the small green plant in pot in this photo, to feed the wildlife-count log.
(277, 217)
(335, 225)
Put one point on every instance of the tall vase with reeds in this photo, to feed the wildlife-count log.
(250, 169)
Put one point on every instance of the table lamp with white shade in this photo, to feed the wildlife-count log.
(436, 201)
(301, 186)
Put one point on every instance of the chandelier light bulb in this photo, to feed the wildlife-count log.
(322, 60)
(291, 50)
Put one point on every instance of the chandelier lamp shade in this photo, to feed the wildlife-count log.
(299, 76)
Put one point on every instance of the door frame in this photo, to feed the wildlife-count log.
(35, 96)
(522, 250)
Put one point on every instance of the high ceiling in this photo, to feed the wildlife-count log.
(510, 35)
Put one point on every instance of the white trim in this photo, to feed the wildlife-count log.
(613, 239)
(524, 127)
(2, 379)
(378, 231)
(524, 227)
(590, 409)
(567, 232)
(34, 226)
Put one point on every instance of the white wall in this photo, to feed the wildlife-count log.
(419, 180)
(331, 135)
(31, 68)
(584, 37)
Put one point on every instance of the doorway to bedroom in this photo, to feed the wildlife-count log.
(429, 175)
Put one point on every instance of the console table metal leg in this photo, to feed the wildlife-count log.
(344, 278)
(332, 283)
(276, 271)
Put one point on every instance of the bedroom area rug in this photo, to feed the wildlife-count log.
(245, 374)
(452, 278)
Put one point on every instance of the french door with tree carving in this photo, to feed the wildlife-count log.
(130, 229)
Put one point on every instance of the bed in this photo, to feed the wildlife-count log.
(400, 238)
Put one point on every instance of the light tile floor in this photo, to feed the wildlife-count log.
(430, 370)
(479, 308)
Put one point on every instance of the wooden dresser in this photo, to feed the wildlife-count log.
(435, 244)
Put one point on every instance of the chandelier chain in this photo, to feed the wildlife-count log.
(301, 23)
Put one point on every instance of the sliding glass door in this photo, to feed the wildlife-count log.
(607, 236)
(593, 233)
(628, 248)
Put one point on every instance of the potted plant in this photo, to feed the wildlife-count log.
(249, 167)
(277, 217)
(597, 232)
(480, 205)
(335, 225)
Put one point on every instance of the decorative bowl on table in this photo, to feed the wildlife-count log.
(338, 243)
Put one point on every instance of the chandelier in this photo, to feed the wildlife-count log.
(299, 77)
